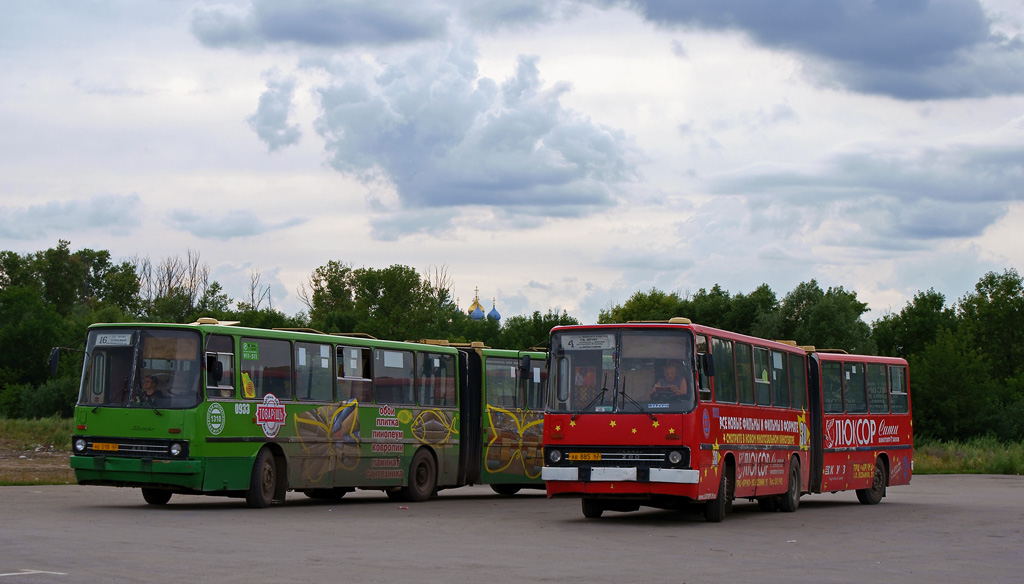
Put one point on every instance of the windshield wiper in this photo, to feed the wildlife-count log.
(634, 402)
(144, 398)
(604, 390)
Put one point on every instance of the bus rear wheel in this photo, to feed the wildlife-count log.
(791, 499)
(156, 496)
(422, 478)
(874, 494)
(263, 482)
(327, 494)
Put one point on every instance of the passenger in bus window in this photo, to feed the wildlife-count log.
(669, 385)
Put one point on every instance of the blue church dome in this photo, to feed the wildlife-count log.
(476, 310)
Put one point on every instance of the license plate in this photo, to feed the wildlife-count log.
(584, 456)
(107, 446)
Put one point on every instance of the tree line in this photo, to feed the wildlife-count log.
(49, 298)
(966, 361)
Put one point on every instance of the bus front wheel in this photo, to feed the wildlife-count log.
(156, 496)
(874, 494)
(720, 505)
(505, 490)
(263, 482)
(422, 478)
(592, 509)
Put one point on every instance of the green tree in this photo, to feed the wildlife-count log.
(329, 295)
(915, 327)
(524, 332)
(710, 308)
(747, 309)
(30, 328)
(954, 396)
(994, 316)
(651, 305)
(827, 319)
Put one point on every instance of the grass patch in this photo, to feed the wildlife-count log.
(976, 456)
(53, 433)
(35, 452)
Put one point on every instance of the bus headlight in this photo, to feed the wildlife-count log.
(675, 457)
(555, 456)
(175, 449)
(80, 444)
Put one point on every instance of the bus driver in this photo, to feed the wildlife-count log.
(670, 385)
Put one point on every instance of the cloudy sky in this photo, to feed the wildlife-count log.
(557, 154)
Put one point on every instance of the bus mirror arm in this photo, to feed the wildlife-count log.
(708, 364)
(55, 357)
(524, 367)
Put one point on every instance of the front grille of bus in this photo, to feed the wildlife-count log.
(134, 448)
(624, 457)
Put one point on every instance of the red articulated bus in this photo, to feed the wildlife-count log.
(664, 414)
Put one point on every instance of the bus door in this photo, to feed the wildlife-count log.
(470, 407)
(815, 422)
(836, 463)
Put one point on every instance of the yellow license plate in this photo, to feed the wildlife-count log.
(584, 456)
(109, 447)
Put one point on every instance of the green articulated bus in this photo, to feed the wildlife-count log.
(216, 409)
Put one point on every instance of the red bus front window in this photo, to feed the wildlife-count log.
(623, 371)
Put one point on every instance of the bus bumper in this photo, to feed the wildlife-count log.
(112, 470)
(617, 481)
(655, 475)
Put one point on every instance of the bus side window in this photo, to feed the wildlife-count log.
(267, 365)
(855, 389)
(436, 379)
(832, 387)
(725, 371)
(220, 368)
(780, 379)
(703, 377)
(797, 368)
(762, 377)
(313, 377)
(534, 384)
(501, 382)
(878, 391)
(354, 374)
(393, 377)
(900, 390)
(744, 373)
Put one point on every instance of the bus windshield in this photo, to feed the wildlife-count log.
(622, 370)
(141, 368)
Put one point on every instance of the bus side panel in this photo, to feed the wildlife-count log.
(227, 474)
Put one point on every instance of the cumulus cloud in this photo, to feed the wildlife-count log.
(888, 201)
(446, 138)
(316, 23)
(230, 226)
(270, 121)
(908, 50)
(102, 212)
